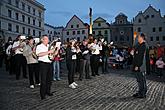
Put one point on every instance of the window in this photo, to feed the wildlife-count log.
(23, 6)
(16, 16)
(9, 1)
(48, 31)
(0, 24)
(99, 24)
(99, 32)
(160, 29)
(33, 21)
(93, 32)
(139, 20)
(23, 30)
(77, 26)
(147, 16)
(9, 13)
(34, 32)
(105, 32)
(29, 9)
(29, 33)
(163, 38)
(85, 37)
(71, 26)
(23, 18)
(78, 38)
(67, 33)
(151, 38)
(67, 39)
(34, 11)
(9, 27)
(152, 16)
(157, 38)
(139, 29)
(28, 20)
(127, 38)
(39, 33)
(39, 23)
(83, 31)
(78, 32)
(153, 29)
(73, 32)
(115, 38)
(17, 28)
(17, 3)
(121, 38)
(39, 13)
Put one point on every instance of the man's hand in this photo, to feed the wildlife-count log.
(136, 68)
(50, 51)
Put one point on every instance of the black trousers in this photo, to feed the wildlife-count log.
(141, 80)
(104, 64)
(94, 62)
(71, 66)
(46, 78)
(20, 62)
(33, 71)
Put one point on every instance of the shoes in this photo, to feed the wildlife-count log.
(38, 84)
(42, 98)
(72, 86)
(50, 94)
(58, 79)
(31, 86)
(139, 96)
(98, 74)
(25, 77)
(75, 84)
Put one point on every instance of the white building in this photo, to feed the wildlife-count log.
(101, 28)
(76, 29)
(25, 17)
(151, 23)
(53, 32)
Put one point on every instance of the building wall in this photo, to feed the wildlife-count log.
(101, 27)
(151, 23)
(30, 18)
(76, 29)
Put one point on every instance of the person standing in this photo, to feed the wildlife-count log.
(139, 65)
(71, 63)
(19, 59)
(45, 67)
(32, 63)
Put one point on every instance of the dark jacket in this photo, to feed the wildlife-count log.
(139, 54)
(69, 54)
(85, 56)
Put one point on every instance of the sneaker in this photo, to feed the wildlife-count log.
(38, 84)
(58, 79)
(31, 86)
(72, 86)
(75, 84)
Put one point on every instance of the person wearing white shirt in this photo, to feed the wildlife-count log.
(45, 67)
(94, 59)
(19, 59)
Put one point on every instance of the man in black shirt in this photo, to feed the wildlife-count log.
(139, 64)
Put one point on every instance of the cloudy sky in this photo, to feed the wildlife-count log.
(58, 12)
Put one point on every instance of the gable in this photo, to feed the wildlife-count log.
(99, 19)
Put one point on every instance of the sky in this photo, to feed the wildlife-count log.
(59, 12)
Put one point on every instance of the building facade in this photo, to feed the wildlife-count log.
(25, 17)
(101, 29)
(122, 31)
(75, 29)
(152, 24)
(53, 32)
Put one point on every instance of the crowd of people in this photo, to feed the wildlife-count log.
(42, 60)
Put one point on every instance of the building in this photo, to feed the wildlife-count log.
(53, 32)
(122, 31)
(25, 17)
(151, 23)
(75, 29)
(101, 29)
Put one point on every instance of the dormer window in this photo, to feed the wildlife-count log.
(139, 20)
(71, 26)
(99, 24)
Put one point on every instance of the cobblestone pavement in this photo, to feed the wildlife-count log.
(111, 91)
